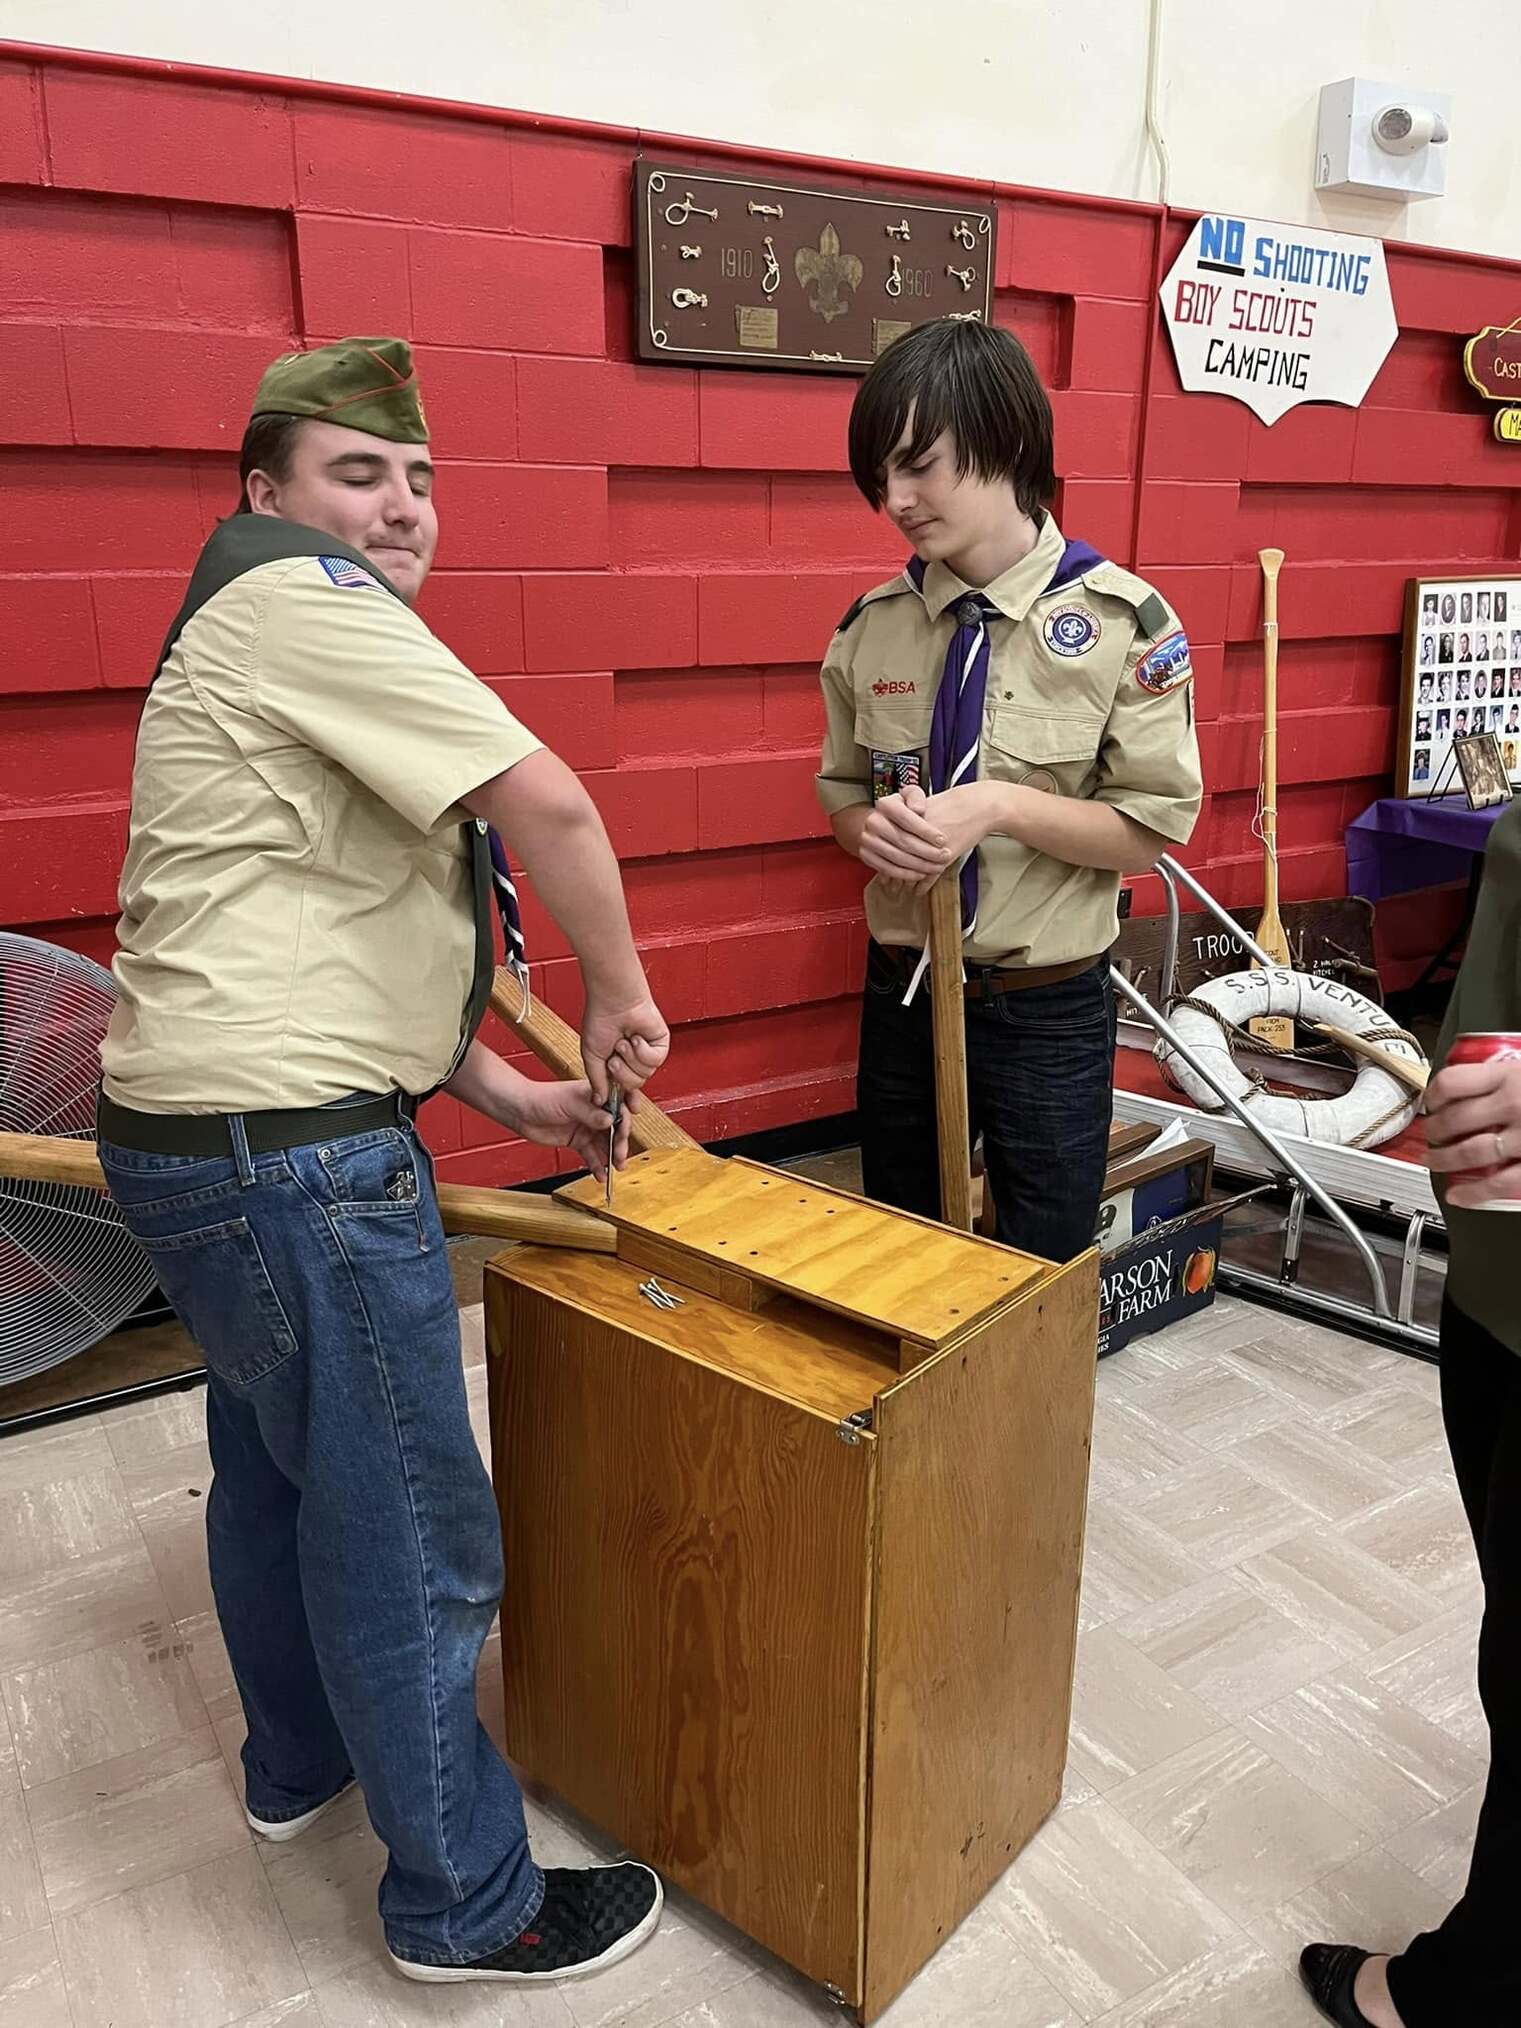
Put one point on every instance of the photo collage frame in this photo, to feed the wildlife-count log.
(1462, 677)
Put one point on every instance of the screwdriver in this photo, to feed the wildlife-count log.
(615, 1108)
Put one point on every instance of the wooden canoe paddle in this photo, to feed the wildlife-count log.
(1416, 1075)
(948, 1002)
(1275, 1028)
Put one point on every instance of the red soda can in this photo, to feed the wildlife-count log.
(1497, 1046)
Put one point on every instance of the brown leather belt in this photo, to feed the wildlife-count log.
(988, 982)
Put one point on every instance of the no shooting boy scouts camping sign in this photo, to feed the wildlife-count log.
(1276, 315)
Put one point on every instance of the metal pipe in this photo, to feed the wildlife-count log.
(1168, 866)
(1410, 1266)
(1289, 1163)
(1293, 1240)
(1154, 109)
(1169, 979)
(1300, 1301)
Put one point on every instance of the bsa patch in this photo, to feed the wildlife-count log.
(344, 573)
(1071, 630)
(1165, 666)
(892, 773)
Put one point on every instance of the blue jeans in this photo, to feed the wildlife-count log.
(1040, 1091)
(354, 1541)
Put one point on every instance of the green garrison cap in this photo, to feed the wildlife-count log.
(362, 383)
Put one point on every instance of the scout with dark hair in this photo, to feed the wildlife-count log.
(304, 953)
(972, 382)
(1013, 704)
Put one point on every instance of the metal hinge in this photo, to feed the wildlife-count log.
(849, 1432)
(833, 1991)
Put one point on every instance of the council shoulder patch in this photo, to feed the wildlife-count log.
(1071, 630)
(346, 574)
(1165, 666)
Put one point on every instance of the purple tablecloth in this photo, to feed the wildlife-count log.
(1397, 845)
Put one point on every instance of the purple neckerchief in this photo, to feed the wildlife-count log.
(506, 892)
(960, 699)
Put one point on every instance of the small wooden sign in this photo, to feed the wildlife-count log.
(736, 272)
(1508, 425)
(1492, 362)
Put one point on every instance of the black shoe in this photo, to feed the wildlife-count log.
(1329, 1972)
(590, 1917)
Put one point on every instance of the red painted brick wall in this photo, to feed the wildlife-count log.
(646, 562)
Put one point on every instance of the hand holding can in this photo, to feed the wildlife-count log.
(1473, 1127)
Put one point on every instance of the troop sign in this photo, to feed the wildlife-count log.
(1276, 314)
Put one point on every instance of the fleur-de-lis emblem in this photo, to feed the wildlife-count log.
(830, 270)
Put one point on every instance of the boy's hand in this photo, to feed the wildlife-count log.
(901, 843)
(913, 838)
(963, 817)
(623, 1043)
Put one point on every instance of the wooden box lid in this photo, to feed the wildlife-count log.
(906, 1276)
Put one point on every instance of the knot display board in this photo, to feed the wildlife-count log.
(777, 274)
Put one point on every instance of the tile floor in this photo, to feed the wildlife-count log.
(1276, 1736)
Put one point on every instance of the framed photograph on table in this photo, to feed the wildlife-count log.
(1481, 763)
(1462, 669)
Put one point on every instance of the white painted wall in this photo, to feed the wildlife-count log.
(1043, 92)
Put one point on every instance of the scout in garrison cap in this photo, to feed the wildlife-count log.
(305, 952)
(1014, 703)
(362, 383)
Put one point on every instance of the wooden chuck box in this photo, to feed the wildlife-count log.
(792, 1569)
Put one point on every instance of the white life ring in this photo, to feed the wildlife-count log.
(1376, 1108)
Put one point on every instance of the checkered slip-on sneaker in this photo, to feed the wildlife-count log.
(590, 1917)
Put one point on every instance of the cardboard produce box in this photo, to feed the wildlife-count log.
(1164, 1273)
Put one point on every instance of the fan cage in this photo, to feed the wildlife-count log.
(70, 1272)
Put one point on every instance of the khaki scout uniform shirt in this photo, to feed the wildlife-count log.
(297, 919)
(1111, 723)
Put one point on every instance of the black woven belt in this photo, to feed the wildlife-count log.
(209, 1133)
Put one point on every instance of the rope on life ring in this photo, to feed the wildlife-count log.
(1212, 1020)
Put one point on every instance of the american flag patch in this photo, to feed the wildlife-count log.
(892, 773)
(342, 572)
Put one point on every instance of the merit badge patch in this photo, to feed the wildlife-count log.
(1166, 666)
(342, 572)
(1071, 630)
(892, 773)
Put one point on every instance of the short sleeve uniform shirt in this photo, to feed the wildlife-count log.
(297, 910)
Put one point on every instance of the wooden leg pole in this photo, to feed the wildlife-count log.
(493, 1214)
(949, 1005)
(558, 1047)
